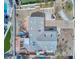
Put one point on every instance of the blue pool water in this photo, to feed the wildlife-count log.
(5, 8)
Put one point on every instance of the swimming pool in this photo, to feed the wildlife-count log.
(7, 7)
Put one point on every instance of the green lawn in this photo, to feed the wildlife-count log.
(32, 1)
(7, 41)
(29, 1)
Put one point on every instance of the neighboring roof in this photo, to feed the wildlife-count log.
(38, 14)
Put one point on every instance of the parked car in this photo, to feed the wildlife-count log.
(5, 28)
(6, 19)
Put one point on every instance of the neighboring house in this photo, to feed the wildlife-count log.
(18, 44)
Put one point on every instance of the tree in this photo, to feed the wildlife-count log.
(69, 5)
(46, 3)
(60, 57)
(52, 2)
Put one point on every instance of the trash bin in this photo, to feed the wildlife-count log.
(18, 57)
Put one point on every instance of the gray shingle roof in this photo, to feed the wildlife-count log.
(38, 14)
